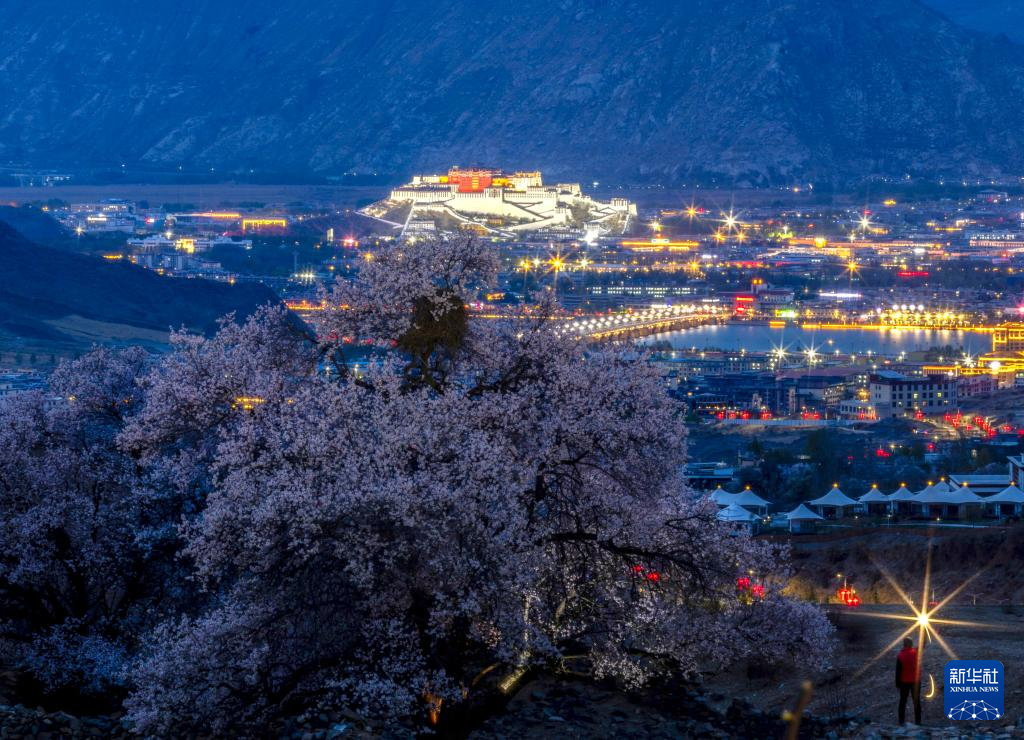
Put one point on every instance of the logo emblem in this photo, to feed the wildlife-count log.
(974, 690)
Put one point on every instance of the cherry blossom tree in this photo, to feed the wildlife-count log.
(484, 497)
(71, 566)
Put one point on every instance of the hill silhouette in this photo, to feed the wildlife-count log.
(51, 298)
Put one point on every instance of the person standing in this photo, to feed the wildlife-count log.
(908, 680)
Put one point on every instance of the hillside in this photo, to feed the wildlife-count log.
(992, 16)
(52, 300)
(740, 90)
(33, 224)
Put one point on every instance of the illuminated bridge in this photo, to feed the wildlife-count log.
(646, 321)
(599, 328)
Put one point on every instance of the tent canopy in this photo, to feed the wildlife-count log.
(735, 513)
(932, 488)
(954, 496)
(748, 498)
(802, 513)
(1010, 495)
(834, 497)
(901, 494)
(873, 496)
(722, 497)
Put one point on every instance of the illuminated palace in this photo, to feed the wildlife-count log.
(515, 202)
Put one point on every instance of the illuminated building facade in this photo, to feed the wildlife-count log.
(893, 394)
(1008, 338)
(509, 203)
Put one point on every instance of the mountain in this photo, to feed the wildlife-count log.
(32, 223)
(992, 16)
(743, 90)
(50, 298)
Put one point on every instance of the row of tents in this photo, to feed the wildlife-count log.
(937, 500)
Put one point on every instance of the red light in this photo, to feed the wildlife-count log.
(912, 273)
(757, 591)
(638, 569)
(653, 576)
(742, 584)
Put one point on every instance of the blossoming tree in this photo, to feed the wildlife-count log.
(405, 509)
(483, 497)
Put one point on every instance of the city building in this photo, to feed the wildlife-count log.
(105, 216)
(707, 475)
(1008, 338)
(895, 394)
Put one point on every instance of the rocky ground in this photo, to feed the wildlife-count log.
(21, 722)
(550, 708)
(854, 700)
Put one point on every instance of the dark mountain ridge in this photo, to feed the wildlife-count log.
(740, 90)
(50, 296)
(1004, 17)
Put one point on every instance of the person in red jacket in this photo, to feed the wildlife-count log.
(908, 680)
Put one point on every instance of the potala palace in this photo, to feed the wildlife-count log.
(494, 202)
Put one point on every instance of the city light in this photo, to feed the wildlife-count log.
(923, 616)
(458, 432)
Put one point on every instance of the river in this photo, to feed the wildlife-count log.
(764, 338)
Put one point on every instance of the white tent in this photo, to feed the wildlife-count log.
(901, 494)
(901, 498)
(874, 501)
(722, 497)
(835, 500)
(946, 502)
(1009, 495)
(932, 488)
(735, 513)
(1009, 501)
(873, 496)
(750, 500)
(952, 496)
(799, 516)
